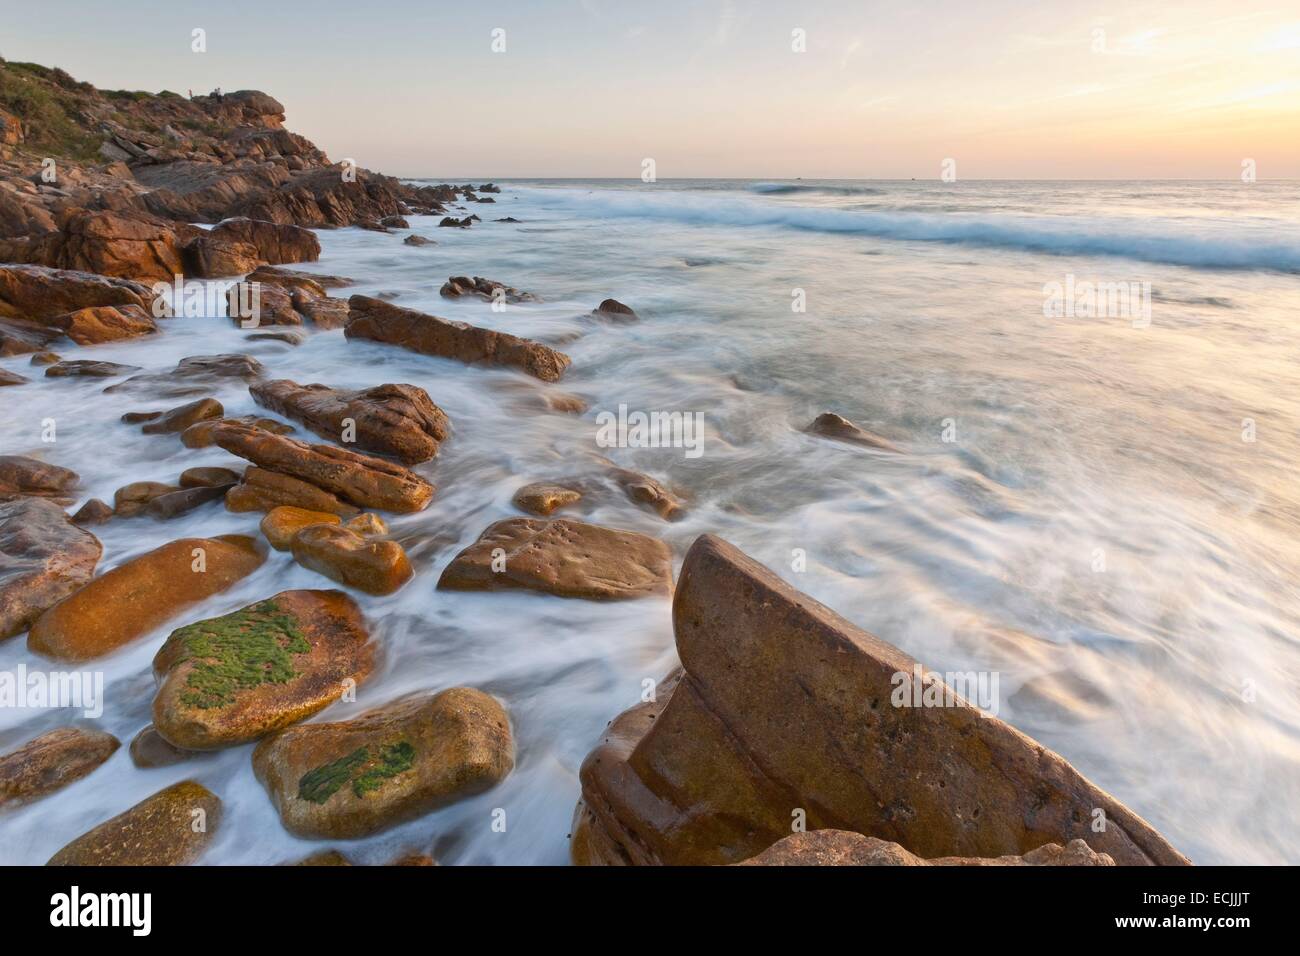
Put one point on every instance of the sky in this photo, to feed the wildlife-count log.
(1184, 89)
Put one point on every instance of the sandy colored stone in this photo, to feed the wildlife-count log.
(279, 525)
(376, 567)
(711, 771)
(44, 557)
(352, 779)
(830, 425)
(132, 599)
(367, 525)
(359, 479)
(395, 420)
(180, 418)
(264, 490)
(51, 762)
(95, 325)
(236, 678)
(845, 848)
(381, 321)
(161, 830)
(544, 497)
(563, 557)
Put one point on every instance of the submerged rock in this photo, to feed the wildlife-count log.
(380, 321)
(830, 425)
(711, 773)
(488, 290)
(544, 497)
(845, 848)
(360, 479)
(44, 557)
(236, 678)
(646, 491)
(86, 368)
(171, 828)
(562, 557)
(132, 599)
(396, 420)
(352, 779)
(150, 749)
(614, 309)
(193, 375)
(11, 378)
(51, 762)
(376, 567)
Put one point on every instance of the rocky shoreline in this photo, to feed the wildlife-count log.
(774, 743)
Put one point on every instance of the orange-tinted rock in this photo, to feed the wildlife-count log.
(130, 245)
(21, 477)
(208, 477)
(281, 523)
(259, 307)
(236, 678)
(830, 425)
(51, 762)
(367, 525)
(11, 378)
(20, 338)
(132, 599)
(44, 557)
(562, 557)
(351, 779)
(105, 323)
(544, 497)
(645, 490)
(200, 435)
(93, 512)
(38, 294)
(380, 321)
(845, 848)
(179, 419)
(275, 242)
(326, 312)
(711, 772)
(376, 567)
(395, 420)
(171, 828)
(264, 490)
(360, 479)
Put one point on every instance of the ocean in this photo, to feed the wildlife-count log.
(1093, 387)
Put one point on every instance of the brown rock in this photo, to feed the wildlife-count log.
(830, 425)
(414, 240)
(711, 773)
(20, 338)
(207, 257)
(21, 477)
(11, 378)
(45, 358)
(85, 368)
(161, 830)
(150, 749)
(395, 420)
(486, 289)
(176, 503)
(208, 478)
(43, 559)
(293, 281)
(195, 375)
(614, 309)
(544, 497)
(51, 762)
(844, 848)
(352, 779)
(376, 567)
(236, 678)
(379, 321)
(367, 525)
(104, 323)
(37, 293)
(134, 498)
(144, 593)
(93, 512)
(565, 558)
(359, 479)
(326, 312)
(201, 435)
(256, 307)
(181, 418)
(276, 243)
(325, 858)
(264, 490)
(644, 490)
(281, 523)
(122, 244)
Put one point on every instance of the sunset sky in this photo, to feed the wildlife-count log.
(1055, 90)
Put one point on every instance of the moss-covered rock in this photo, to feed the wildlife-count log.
(235, 678)
(351, 779)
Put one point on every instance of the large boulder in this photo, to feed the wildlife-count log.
(171, 828)
(23, 477)
(134, 598)
(562, 557)
(376, 567)
(782, 706)
(38, 293)
(359, 479)
(275, 243)
(236, 678)
(395, 420)
(97, 324)
(124, 244)
(381, 321)
(51, 762)
(351, 779)
(44, 557)
(843, 848)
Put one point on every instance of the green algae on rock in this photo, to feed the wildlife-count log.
(365, 772)
(238, 677)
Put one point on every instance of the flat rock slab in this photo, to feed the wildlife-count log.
(236, 678)
(44, 557)
(134, 598)
(51, 762)
(381, 321)
(562, 557)
(359, 479)
(784, 705)
(171, 828)
(399, 421)
(844, 848)
(351, 779)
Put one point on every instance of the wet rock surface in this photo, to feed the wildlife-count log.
(44, 557)
(51, 762)
(161, 830)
